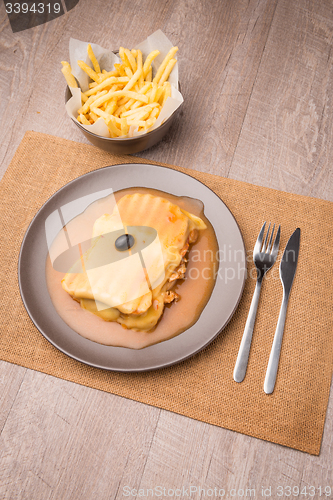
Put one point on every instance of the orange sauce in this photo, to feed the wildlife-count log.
(177, 317)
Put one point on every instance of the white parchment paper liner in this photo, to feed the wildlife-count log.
(106, 60)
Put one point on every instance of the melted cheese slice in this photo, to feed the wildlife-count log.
(130, 290)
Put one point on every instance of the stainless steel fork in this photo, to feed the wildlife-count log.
(264, 256)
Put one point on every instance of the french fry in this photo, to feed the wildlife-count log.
(124, 58)
(155, 112)
(136, 105)
(107, 74)
(90, 72)
(139, 115)
(83, 120)
(140, 67)
(111, 107)
(137, 123)
(124, 100)
(115, 87)
(149, 76)
(167, 71)
(167, 92)
(93, 59)
(159, 93)
(93, 116)
(119, 111)
(106, 83)
(103, 98)
(128, 72)
(130, 94)
(111, 124)
(120, 68)
(145, 108)
(150, 122)
(124, 126)
(148, 61)
(133, 80)
(161, 69)
(100, 113)
(143, 90)
(131, 60)
(67, 72)
(71, 82)
(153, 93)
(85, 108)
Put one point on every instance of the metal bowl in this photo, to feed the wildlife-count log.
(130, 145)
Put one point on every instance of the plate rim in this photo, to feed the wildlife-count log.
(157, 366)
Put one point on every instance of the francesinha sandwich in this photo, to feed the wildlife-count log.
(132, 284)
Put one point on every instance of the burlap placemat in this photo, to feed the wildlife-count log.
(201, 387)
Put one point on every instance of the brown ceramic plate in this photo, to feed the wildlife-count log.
(217, 313)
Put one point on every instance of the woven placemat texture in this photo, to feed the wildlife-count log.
(201, 387)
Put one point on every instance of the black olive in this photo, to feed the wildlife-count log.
(124, 242)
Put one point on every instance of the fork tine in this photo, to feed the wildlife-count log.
(258, 244)
(276, 243)
(265, 242)
(270, 240)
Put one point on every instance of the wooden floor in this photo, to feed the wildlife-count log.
(257, 78)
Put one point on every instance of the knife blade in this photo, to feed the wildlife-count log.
(288, 267)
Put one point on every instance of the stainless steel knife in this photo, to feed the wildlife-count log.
(287, 272)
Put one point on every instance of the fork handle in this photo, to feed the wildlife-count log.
(244, 349)
(274, 357)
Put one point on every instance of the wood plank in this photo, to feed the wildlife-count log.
(11, 377)
(218, 67)
(187, 453)
(63, 440)
(286, 139)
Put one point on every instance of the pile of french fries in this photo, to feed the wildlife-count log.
(127, 98)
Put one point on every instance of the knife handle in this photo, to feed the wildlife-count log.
(244, 349)
(274, 357)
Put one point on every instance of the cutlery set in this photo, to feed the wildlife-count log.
(264, 257)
